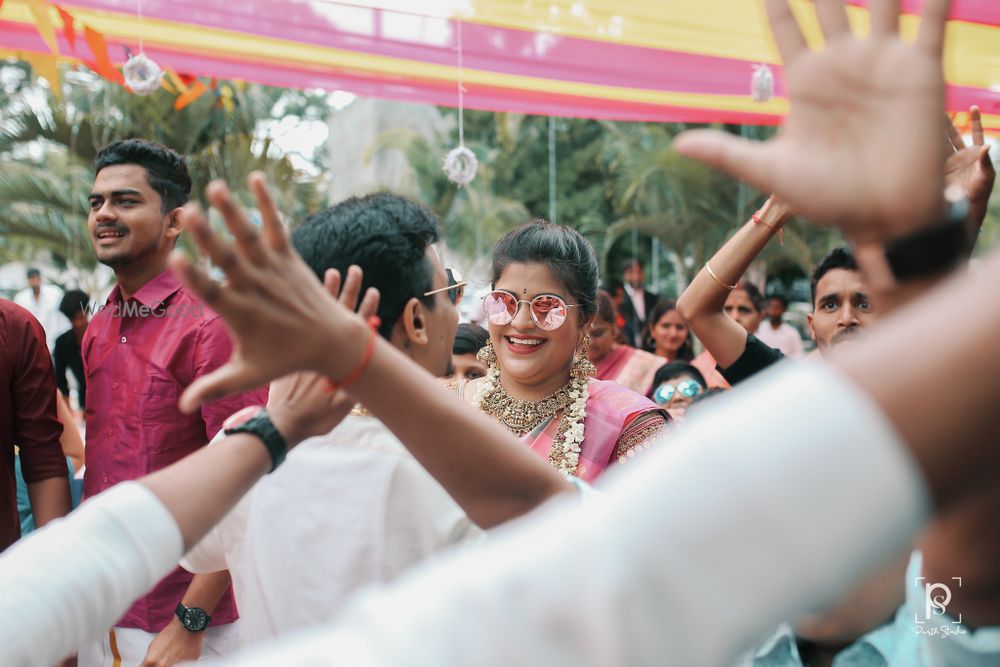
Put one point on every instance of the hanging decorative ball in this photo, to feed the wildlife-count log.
(762, 83)
(460, 165)
(142, 74)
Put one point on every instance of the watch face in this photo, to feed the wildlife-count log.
(195, 619)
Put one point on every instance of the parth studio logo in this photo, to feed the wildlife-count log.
(937, 597)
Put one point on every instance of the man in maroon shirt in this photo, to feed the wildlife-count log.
(28, 420)
(149, 341)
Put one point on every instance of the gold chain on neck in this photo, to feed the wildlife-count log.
(522, 415)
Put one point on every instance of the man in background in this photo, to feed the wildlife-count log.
(638, 303)
(42, 301)
(776, 332)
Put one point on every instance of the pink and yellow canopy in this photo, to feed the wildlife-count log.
(658, 60)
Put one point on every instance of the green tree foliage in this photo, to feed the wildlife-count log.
(619, 184)
(48, 144)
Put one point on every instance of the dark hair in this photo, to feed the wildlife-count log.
(662, 307)
(838, 258)
(469, 339)
(779, 297)
(166, 170)
(756, 299)
(635, 261)
(674, 369)
(386, 235)
(74, 302)
(606, 307)
(33, 272)
(567, 254)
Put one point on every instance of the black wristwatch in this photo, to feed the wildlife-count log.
(192, 618)
(933, 250)
(255, 420)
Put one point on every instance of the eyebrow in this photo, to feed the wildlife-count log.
(832, 296)
(115, 193)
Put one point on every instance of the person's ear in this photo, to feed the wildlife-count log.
(175, 223)
(812, 331)
(414, 319)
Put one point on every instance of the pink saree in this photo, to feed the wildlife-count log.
(619, 424)
(630, 368)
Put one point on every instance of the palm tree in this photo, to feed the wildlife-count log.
(689, 207)
(48, 149)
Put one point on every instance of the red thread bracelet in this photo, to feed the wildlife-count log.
(331, 386)
(756, 218)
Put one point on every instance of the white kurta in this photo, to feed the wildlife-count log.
(346, 509)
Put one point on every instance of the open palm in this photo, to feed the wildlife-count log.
(861, 147)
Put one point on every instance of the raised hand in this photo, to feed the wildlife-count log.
(970, 168)
(301, 405)
(861, 146)
(282, 320)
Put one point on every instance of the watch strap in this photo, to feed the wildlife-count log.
(261, 426)
(932, 250)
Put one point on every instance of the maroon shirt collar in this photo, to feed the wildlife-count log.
(154, 293)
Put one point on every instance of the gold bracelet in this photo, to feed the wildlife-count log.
(708, 267)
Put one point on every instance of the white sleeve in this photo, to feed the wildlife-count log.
(697, 553)
(67, 583)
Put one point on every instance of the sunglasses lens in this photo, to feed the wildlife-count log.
(689, 388)
(549, 312)
(500, 308)
(663, 394)
(457, 294)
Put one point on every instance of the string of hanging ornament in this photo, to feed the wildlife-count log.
(142, 74)
(460, 164)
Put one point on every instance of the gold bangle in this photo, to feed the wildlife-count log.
(708, 267)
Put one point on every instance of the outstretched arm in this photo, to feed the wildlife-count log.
(479, 464)
(702, 302)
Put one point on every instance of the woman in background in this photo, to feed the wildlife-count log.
(616, 362)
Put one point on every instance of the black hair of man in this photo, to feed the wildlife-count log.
(33, 272)
(166, 170)
(384, 234)
(469, 339)
(74, 302)
(838, 258)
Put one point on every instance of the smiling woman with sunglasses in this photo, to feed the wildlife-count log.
(539, 384)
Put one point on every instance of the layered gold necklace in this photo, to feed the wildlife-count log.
(521, 416)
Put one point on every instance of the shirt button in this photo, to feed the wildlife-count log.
(114, 386)
(123, 339)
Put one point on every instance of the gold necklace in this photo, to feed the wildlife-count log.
(522, 415)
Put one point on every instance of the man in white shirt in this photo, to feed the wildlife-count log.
(293, 558)
(42, 301)
(777, 333)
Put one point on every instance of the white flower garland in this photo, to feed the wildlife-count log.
(565, 452)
